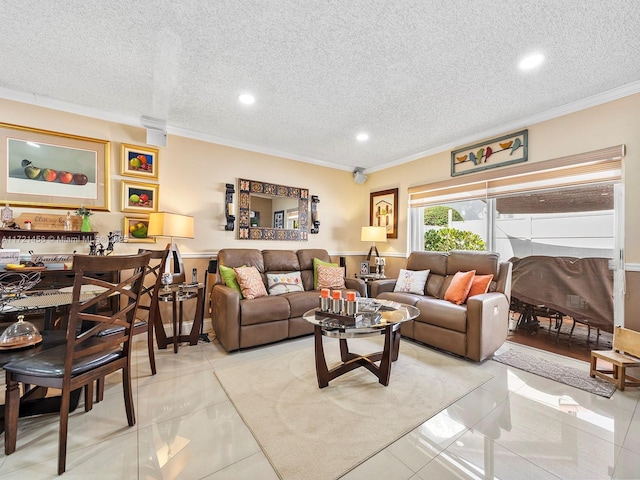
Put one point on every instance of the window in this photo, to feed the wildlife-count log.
(562, 207)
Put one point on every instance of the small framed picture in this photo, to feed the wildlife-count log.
(135, 229)
(139, 162)
(384, 211)
(278, 219)
(364, 268)
(139, 197)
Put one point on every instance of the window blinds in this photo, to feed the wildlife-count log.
(598, 166)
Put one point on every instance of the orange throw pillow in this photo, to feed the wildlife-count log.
(459, 287)
(480, 284)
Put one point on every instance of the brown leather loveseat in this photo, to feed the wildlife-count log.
(474, 329)
(242, 323)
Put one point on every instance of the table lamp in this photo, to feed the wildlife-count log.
(373, 235)
(172, 225)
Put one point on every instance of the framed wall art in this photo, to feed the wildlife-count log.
(135, 229)
(139, 197)
(384, 211)
(48, 169)
(497, 152)
(139, 161)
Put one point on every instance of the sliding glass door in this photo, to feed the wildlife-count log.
(578, 221)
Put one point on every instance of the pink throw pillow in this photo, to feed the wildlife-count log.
(330, 277)
(250, 282)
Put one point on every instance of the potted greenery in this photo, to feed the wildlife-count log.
(85, 214)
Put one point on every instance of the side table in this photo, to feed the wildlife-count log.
(368, 279)
(177, 294)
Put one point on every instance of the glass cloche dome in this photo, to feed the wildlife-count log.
(20, 334)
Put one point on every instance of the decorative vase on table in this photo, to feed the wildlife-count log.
(86, 224)
(85, 214)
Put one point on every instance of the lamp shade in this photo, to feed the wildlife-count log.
(165, 224)
(374, 234)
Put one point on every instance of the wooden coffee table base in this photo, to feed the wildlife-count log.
(351, 361)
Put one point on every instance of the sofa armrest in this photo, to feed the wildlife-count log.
(384, 285)
(487, 324)
(356, 284)
(225, 317)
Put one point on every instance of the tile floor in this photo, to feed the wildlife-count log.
(516, 426)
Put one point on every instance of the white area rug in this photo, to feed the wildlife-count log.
(554, 371)
(311, 433)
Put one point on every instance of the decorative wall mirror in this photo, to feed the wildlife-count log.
(272, 212)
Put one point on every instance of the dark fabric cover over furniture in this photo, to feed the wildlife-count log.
(242, 323)
(475, 329)
(581, 288)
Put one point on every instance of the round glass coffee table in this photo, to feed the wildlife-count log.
(388, 325)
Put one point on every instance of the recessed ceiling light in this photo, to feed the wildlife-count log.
(247, 99)
(362, 137)
(531, 61)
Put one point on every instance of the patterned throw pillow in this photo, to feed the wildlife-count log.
(279, 283)
(411, 281)
(459, 287)
(480, 284)
(250, 282)
(330, 277)
(316, 262)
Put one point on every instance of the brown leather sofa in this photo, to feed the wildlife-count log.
(475, 329)
(242, 323)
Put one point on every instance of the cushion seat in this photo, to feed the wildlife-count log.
(264, 309)
(302, 302)
(50, 363)
(442, 313)
(402, 297)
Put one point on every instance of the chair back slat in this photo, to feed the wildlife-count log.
(152, 281)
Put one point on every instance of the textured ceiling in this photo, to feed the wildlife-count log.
(418, 76)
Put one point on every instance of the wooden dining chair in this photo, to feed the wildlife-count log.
(148, 303)
(149, 299)
(86, 356)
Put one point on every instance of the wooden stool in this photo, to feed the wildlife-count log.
(625, 353)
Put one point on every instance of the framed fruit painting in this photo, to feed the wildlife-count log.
(135, 229)
(52, 169)
(139, 197)
(139, 161)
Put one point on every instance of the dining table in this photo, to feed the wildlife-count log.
(46, 300)
(35, 401)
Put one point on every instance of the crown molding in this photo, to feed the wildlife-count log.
(594, 100)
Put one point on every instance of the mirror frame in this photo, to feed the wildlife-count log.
(247, 232)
